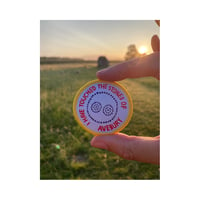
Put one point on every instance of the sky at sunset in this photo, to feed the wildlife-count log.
(93, 38)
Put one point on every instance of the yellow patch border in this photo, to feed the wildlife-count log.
(125, 123)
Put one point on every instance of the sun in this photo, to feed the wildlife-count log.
(142, 49)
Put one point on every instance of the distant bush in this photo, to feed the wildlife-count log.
(132, 52)
(102, 62)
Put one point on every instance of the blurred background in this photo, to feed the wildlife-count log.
(71, 52)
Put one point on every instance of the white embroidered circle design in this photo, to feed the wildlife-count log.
(102, 107)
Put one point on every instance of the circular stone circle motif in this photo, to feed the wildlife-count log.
(96, 107)
(108, 110)
(107, 121)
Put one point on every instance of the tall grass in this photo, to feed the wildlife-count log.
(76, 159)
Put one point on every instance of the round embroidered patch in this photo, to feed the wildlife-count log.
(102, 107)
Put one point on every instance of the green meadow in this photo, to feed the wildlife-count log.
(74, 158)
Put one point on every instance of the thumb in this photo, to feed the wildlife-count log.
(118, 144)
(143, 149)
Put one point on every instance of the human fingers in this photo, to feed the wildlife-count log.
(157, 22)
(139, 67)
(155, 43)
(117, 72)
(143, 149)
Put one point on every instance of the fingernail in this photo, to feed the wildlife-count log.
(99, 145)
(101, 71)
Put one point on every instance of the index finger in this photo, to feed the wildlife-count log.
(139, 67)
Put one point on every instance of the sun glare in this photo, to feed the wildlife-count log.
(142, 49)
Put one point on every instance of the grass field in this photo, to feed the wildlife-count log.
(76, 159)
